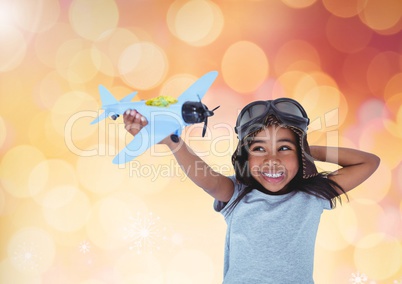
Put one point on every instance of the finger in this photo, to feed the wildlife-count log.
(137, 119)
(126, 115)
(143, 121)
(129, 116)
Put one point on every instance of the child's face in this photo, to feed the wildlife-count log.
(273, 158)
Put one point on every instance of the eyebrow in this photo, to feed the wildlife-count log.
(278, 141)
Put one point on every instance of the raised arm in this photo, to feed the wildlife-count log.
(215, 184)
(356, 165)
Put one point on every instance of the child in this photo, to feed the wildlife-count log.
(273, 204)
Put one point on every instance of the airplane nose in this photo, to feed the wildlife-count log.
(114, 116)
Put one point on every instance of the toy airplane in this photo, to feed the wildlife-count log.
(164, 118)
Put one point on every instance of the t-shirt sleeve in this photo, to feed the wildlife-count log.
(326, 204)
(220, 205)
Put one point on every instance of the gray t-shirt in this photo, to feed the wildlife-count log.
(271, 238)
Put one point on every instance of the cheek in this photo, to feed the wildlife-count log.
(254, 160)
(253, 165)
(292, 164)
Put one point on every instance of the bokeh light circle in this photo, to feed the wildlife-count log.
(150, 174)
(49, 174)
(391, 125)
(319, 94)
(110, 49)
(2, 201)
(50, 88)
(183, 264)
(102, 62)
(244, 66)
(344, 8)
(347, 35)
(43, 135)
(37, 16)
(295, 51)
(371, 109)
(12, 53)
(347, 223)
(177, 84)
(368, 213)
(381, 14)
(298, 4)
(354, 69)
(48, 42)
(91, 19)
(399, 180)
(372, 139)
(382, 179)
(84, 66)
(334, 232)
(71, 114)
(381, 69)
(31, 249)
(98, 174)
(132, 267)
(379, 254)
(3, 132)
(66, 53)
(66, 208)
(143, 65)
(392, 88)
(16, 167)
(92, 281)
(285, 84)
(111, 216)
(197, 22)
(10, 274)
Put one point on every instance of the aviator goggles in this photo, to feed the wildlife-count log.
(253, 116)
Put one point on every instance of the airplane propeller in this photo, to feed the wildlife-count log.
(207, 113)
(197, 112)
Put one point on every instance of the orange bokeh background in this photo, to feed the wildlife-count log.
(68, 215)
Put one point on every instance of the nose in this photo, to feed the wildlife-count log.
(272, 160)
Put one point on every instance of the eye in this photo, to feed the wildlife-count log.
(284, 148)
(257, 149)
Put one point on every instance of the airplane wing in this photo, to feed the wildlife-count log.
(151, 134)
(197, 90)
(128, 98)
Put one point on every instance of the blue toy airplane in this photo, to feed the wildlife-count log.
(163, 120)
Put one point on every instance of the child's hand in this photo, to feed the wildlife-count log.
(134, 121)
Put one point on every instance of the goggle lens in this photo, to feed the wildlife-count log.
(252, 112)
(288, 110)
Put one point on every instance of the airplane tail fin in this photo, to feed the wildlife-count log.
(108, 99)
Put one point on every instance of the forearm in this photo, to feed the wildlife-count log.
(198, 171)
(356, 165)
(343, 157)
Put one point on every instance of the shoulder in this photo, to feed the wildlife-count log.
(238, 188)
(308, 199)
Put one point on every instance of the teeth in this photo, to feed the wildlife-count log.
(272, 175)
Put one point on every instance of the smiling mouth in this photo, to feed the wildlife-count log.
(273, 175)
